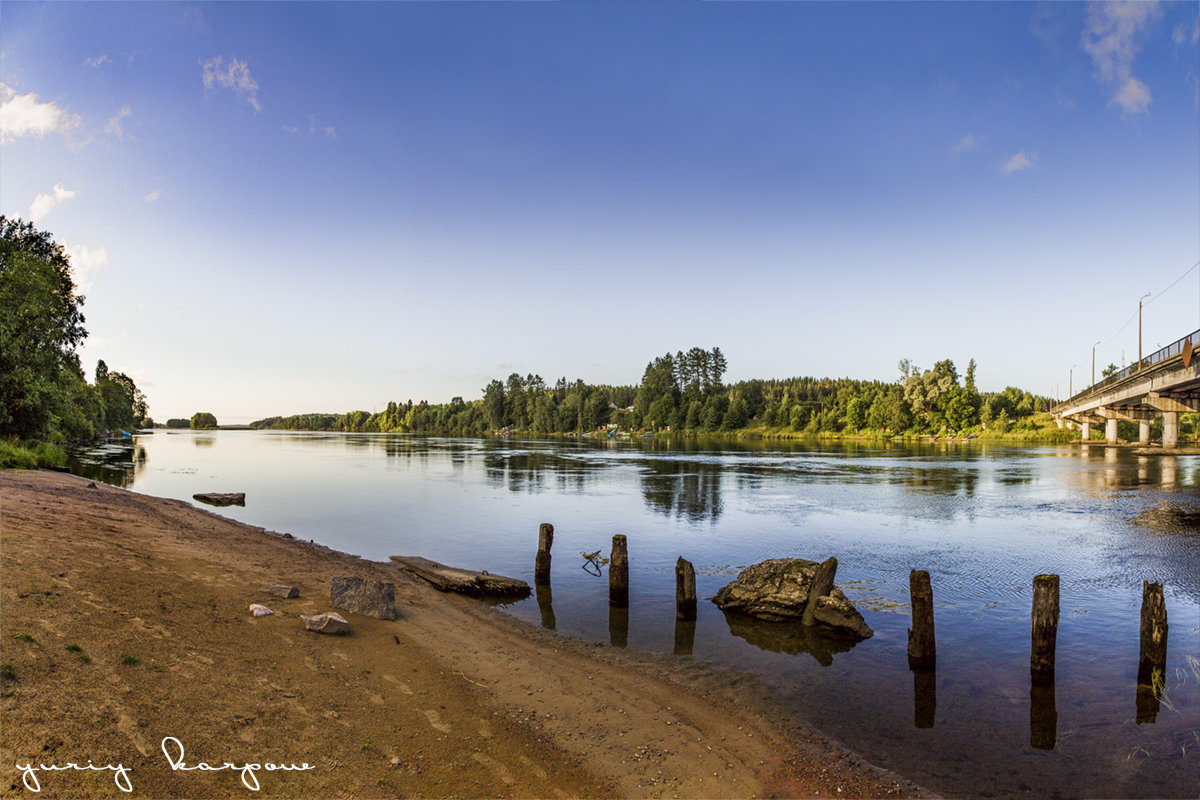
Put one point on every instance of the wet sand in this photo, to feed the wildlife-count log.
(125, 621)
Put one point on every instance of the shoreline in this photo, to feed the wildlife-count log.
(126, 622)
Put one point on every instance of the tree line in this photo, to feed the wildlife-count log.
(44, 394)
(685, 392)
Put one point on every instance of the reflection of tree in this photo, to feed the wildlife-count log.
(527, 471)
(690, 489)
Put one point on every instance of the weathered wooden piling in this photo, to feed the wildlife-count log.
(1154, 625)
(618, 572)
(922, 646)
(1044, 630)
(1150, 682)
(685, 590)
(541, 563)
(822, 584)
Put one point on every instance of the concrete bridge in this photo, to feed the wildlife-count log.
(1166, 383)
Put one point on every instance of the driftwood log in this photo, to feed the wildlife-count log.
(464, 581)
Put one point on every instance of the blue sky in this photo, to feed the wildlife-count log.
(275, 208)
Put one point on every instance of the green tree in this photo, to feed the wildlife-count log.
(124, 404)
(856, 413)
(41, 324)
(203, 419)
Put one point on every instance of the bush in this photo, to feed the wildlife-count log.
(14, 455)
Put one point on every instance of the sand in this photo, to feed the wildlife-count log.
(124, 624)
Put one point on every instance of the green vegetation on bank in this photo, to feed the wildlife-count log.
(45, 398)
(684, 393)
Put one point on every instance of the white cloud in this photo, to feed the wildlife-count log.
(315, 127)
(1111, 37)
(1019, 163)
(22, 115)
(97, 62)
(234, 76)
(1181, 35)
(43, 204)
(1133, 96)
(965, 145)
(114, 126)
(86, 264)
(291, 129)
(150, 198)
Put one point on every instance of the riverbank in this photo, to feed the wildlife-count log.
(125, 622)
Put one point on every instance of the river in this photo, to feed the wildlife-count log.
(982, 519)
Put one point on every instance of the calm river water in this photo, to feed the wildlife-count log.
(982, 519)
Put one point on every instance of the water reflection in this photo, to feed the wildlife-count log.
(924, 697)
(545, 601)
(1043, 712)
(790, 638)
(685, 636)
(683, 489)
(1150, 682)
(117, 463)
(618, 626)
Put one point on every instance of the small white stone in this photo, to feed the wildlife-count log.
(259, 611)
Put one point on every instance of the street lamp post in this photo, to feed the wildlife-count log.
(1071, 381)
(1140, 299)
(1094, 364)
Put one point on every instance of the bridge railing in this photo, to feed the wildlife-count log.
(1168, 352)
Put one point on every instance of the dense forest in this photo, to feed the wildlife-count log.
(45, 398)
(685, 392)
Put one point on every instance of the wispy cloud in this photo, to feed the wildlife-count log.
(97, 61)
(115, 126)
(150, 198)
(86, 264)
(965, 145)
(1019, 162)
(1111, 37)
(234, 76)
(23, 115)
(1181, 35)
(314, 127)
(43, 204)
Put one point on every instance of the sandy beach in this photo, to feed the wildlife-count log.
(126, 625)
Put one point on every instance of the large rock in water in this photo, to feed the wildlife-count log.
(779, 590)
(361, 596)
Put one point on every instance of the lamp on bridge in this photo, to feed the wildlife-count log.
(1094, 364)
(1140, 299)
(1071, 381)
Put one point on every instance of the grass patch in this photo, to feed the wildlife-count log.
(74, 648)
(130, 660)
(8, 672)
(26, 637)
(14, 455)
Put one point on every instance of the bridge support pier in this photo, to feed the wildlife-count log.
(1110, 431)
(1143, 432)
(1170, 429)
(1086, 431)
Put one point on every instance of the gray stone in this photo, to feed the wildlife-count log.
(329, 623)
(363, 596)
(779, 590)
(259, 610)
(836, 611)
(775, 589)
(280, 590)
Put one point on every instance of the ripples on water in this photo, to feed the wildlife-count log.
(983, 520)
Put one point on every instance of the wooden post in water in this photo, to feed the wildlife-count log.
(922, 647)
(618, 572)
(1043, 710)
(822, 584)
(545, 600)
(685, 590)
(1044, 631)
(1154, 625)
(541, 563)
